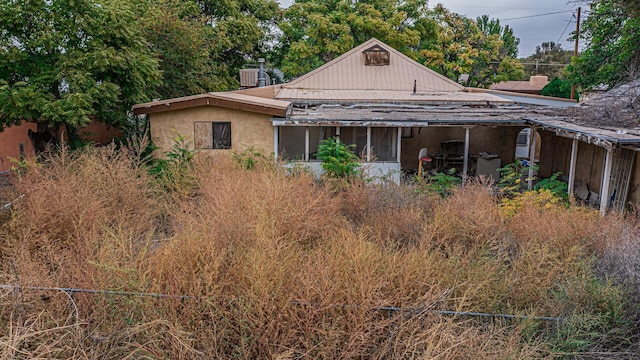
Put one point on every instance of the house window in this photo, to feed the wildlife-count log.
(212, 135)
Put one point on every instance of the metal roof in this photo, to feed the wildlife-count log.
(352, 96)
(224, 99)
(348, 72)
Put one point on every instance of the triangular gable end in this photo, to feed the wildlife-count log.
(349, 72)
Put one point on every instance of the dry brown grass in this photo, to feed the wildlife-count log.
(279, 266)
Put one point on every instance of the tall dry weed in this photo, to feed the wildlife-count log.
(279, 266)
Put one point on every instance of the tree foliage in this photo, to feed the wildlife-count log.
(558, 88)
(182, 43)
(484, 49)
(242, 31)
(317, 31)
(67, 62)
(611, 56)
(552, 60)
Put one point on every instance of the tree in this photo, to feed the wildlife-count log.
(242, 31)
(483, 50)
(182, 42)
(611, 56)
(557, 88)
(67, 62)
(551, 58)
(315, 32)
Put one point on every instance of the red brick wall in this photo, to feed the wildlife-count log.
(10, 140)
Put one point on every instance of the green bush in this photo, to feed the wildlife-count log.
(338, 158)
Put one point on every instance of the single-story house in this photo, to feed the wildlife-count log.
(390, 108)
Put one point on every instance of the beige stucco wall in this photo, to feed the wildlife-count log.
(247, 128)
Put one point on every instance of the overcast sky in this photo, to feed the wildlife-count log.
(530, 28)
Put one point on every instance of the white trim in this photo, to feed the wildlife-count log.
(533, 134)
(465, 161)
(606, 181)
(572, 167)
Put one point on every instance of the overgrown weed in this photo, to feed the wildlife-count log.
(281, 266)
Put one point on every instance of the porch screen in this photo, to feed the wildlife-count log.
(291, 142)
(384, 143)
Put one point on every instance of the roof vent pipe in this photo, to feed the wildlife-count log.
(261, 77)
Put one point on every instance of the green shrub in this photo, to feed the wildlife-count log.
(338, 158)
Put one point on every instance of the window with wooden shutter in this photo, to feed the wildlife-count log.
(212, 135)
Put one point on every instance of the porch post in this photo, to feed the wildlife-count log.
(399, 145)
(275, 142)
(306, 143)
(606, 180)
(465, 161)
(572, 167)
(532, 154)
(368, 143)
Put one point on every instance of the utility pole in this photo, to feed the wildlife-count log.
(575, 51)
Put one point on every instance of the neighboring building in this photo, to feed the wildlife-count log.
(533, 86)
(390, 107)
(15, 142)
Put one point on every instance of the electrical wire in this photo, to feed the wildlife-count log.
(530, 16)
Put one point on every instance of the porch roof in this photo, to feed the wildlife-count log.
(411, 115)
(607, 138)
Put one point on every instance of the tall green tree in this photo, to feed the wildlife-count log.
(243, 30)
(71, 61)
(315, 32)
(184, 44)
(550, 59)
(484, 50)
(611, 56)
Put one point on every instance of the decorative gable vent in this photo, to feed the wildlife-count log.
(376, 56)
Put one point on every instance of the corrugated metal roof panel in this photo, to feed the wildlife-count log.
(387, 96)
(348, 72)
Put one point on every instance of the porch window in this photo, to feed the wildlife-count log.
(212, 135)
(384, 141)
(356, 136)
(292, 141)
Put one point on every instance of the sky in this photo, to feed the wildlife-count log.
(523, 16)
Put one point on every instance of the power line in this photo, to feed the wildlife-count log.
(530, 16)
(565, 30)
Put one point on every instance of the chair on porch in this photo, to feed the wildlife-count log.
(422, 158)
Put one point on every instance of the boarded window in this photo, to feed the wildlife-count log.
(212, 135)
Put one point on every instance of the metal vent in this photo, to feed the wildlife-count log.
(376, 56)
(249, 78)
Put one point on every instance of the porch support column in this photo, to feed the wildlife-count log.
(465, 161)
(399, 145)
(275, 142)
(606, 180)
(532, 155)
(306, 143)
(368, 143)
(572, 167)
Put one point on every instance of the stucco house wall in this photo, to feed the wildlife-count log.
(247, 128)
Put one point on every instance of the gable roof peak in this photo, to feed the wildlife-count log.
(350, 71)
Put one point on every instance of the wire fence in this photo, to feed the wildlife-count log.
(391, 309)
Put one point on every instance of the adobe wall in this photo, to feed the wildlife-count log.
(247, 128)
(10, 140)
(498, 140)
